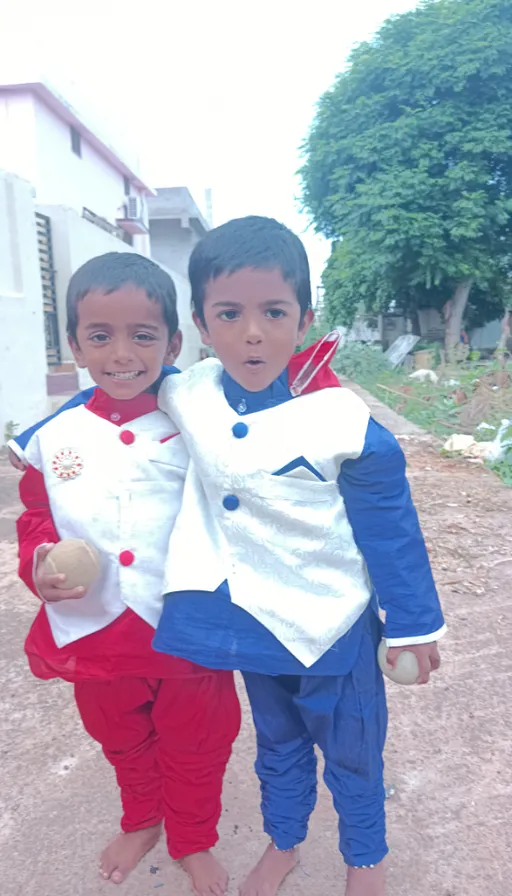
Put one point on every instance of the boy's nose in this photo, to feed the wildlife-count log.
(253, 333)
(122, 351)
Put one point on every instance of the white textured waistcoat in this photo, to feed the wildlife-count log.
(125, 498)
(285, 546)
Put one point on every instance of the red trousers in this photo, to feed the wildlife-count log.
(169, 741)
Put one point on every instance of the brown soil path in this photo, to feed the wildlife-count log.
(449, 754)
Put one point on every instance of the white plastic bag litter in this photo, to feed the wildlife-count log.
(424, 375)
(463, 444)
(502, 444)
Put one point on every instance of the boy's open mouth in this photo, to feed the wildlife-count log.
(126, 375)
(254, 362)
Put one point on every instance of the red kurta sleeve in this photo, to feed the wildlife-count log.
(35, 526)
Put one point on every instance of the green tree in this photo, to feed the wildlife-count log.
(408, 165)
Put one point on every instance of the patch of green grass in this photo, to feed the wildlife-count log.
(466, 395)
(504, 470)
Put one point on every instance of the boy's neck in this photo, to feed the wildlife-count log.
(229, 382)
(245, 402)
(121, 410)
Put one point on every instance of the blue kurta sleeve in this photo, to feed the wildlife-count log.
(387, 532)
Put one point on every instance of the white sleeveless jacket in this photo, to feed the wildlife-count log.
(283, 542)
(123, 498)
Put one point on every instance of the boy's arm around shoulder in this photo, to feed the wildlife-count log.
(386, 529)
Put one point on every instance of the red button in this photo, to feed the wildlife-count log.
(126, 558)
(127, 437)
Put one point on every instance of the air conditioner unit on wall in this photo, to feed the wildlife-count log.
(132, 216)
(133, 208)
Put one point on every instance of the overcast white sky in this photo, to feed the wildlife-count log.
(213, 94)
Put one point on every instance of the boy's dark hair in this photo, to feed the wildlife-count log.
(252, 242)
(110, 272)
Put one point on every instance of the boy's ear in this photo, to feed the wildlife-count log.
(174, 348)
(205, 336)
(77, 352)
(306, 322)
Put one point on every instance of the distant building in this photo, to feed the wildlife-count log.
(208, 199)
(175, 226)
(44, 140)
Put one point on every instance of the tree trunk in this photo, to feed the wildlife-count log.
(454, 313)
(505, 331)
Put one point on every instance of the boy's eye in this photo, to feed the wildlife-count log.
(275, 313)
(99, 337)
(144, 337)
(230, 314)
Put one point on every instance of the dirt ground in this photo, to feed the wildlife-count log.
(449, 755)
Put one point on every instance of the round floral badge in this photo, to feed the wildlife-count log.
(67, 464)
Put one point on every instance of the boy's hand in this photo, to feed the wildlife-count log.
(426, 654)
(47, 586)
(15, 461)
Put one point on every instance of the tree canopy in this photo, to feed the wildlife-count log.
(408, 165)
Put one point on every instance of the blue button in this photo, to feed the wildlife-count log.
(240, 430)
(231, 502)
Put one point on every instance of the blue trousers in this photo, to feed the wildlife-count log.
(346, 717)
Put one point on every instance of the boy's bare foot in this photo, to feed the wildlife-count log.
(270, 872)
(366, 881)
(208, 877)
(125, 851)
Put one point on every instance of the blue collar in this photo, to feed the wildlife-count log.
(244, 402)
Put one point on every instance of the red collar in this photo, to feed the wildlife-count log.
(120, 412)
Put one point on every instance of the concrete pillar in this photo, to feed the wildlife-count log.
(23, 365)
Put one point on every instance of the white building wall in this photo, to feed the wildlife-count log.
(67, 179)
(172, 244)
(36, 144)
(22, 349)
(18, 152)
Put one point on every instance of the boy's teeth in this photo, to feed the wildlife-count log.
(125, 376)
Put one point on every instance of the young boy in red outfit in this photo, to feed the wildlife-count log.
(111, 472)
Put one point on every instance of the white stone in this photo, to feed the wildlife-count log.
(406, 670)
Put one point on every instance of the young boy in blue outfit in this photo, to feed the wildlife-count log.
(297, 507)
